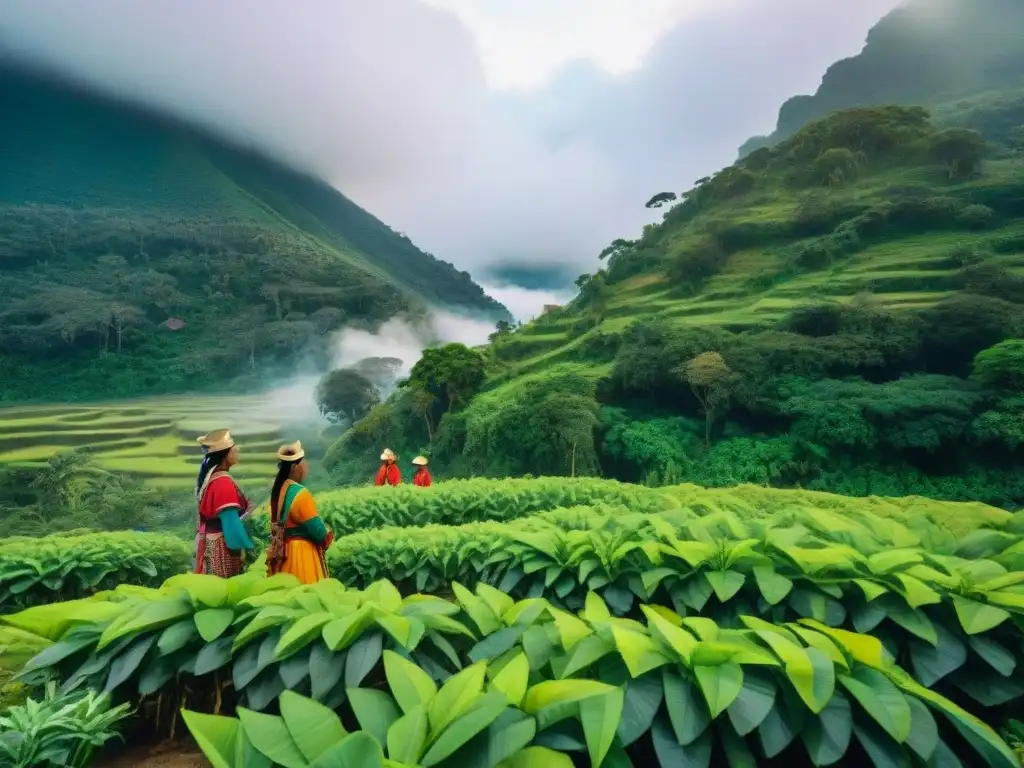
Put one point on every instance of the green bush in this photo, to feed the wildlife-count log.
(45, 570)
(484, 679)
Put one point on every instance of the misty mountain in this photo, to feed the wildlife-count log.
(925, 52)
(154, 256)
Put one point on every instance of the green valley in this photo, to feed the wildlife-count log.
(142, 256)
(839, 310)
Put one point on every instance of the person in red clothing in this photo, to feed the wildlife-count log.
(421, 478)
(221, 537)
(389, 473)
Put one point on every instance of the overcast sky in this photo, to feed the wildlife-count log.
(490, 131)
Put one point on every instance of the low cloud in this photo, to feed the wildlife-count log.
(388, 101)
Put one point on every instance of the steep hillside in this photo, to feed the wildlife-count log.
(114, 220)
(839, 313)
(925, 52)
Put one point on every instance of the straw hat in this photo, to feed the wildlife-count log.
(218, 440)
(420, 461)
(388, 455)
(291, 452)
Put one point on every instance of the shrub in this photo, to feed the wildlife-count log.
(61, 730)
(484, 678)
(37, 571)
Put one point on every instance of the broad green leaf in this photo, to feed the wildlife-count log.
(774, 586)
(779, 728)
(827, 736)
(375, 710)
(822, 643)
(409, 684)
(341, 633)
(686, 707)
(864, 648)
(525, 611)
(212, 622)
(513, 679)
(270, 736)
(153, 616)
(600, 716)
(881, 749)
(737, 753)
(537, 757)
(979, 735)
(924, 733)
(497, 643)
(400, 628)
(917, 592)
(362, 657)
(871, 589)
(671, 754)
(881, 699)
(676, 638)
(552, 692)
(215, 735)
(810, 671)
(246, 754)
(586, 652)
(570, 629)
(977, 617)
(313, 727)
(994, 654)
(127, 661)
(357, 750)
(496, 600)
(204, 591)
(301, 633)
(485, 710)
(643, 700)
(502, 739)
(407, 736)
(478, 609)
(725, 583)
(385, 594)
(754, 701)
(914, 620)
(265, 620)
(720, 685)
(177, 636)
(455, 696)
(595, 609)
(639, 651)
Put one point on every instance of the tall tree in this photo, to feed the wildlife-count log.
(712, 382)
(346, 395)
(453, 372)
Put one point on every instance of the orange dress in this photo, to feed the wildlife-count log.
(389, 474)
(422, 478)
(305, 536)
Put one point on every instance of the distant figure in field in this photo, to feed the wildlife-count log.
(389, 473)
(220, 536)
(298, 536)
(421, 479)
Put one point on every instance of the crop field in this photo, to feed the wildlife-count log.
(153, 439)
(556, 622)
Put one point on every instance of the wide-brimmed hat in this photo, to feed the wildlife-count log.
(216, 441)
(388, 455)
(291, 452)
(420, 461)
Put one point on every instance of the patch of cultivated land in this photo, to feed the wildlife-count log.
(152, 438)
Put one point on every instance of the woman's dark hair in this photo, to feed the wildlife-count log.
(284, 469)
(211, 461)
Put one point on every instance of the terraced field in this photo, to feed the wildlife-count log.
(153, 438)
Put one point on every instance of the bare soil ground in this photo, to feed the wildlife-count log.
(171, 754)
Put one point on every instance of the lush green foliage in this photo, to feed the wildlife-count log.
(483, 677)
(915, 590)
(260, 261)
(61, 730)
(34, 571)
(464, 501)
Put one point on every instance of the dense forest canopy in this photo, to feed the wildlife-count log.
(841, 311)
(140, 256)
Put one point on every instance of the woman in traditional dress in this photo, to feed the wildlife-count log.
(421, 478)
(389, 473)
(299, 537)
(220, 536)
